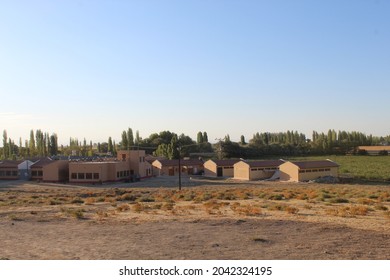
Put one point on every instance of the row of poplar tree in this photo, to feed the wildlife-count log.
(171, 145)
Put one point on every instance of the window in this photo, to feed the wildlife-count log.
(81, 176)
(74, 175)
(14, 173)
(96, 176)
(34, 173)
(117, 174)
(88, 176)
(40, 173)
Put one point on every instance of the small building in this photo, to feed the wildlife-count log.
(98, 171)
(49, 170)
(375, 150)
(300, 171)
(256, 170)
(170, 167)
(220, 167)
(9, 170)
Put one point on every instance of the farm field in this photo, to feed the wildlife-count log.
(376, 168)
(208, 219)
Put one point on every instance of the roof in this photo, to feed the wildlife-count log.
(374, 148)
(10, 163)
(315, 164)
(175, 162)
(225, 162)
(42, 162)
(265, 163)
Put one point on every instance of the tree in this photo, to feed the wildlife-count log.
(124, 143)
(130, 138)
(53, 145)
(199, 138)
(110, 147)
(5, 145)
(137, 140)
(242, 142)
(205, 137)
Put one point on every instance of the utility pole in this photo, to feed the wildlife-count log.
(179, 149)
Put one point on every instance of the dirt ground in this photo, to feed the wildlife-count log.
(206, 220)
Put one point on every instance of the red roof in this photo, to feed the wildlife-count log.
(315, 164)
(265, 163)
(41, 163)
(175, 162)
(10, 163)
(225, 162)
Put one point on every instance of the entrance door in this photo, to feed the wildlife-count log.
(171, 172)
(219, 171)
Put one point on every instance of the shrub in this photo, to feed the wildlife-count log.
(292, 210)
(77, 200)
(89, 201)
(339, 200)
(123, 207)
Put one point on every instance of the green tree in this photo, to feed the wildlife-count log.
(124, 143)
(199, 138)
(110, 147)
(5, 145)
(242, 142)
(130, 138)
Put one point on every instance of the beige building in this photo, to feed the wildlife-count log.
(9, 170)
(48, 170)
(307, 170)
(137, 162)
(98, 172)
(219, 167)
(256, 170)
(129, 165)
(170, 167)
(374, 150)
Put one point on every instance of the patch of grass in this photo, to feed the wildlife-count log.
(292, 210)
(77, 200)
(72, 212)
(246, 210)
(123, 207)
(89, 201)
(339, 200)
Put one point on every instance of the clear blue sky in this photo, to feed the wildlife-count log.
(94, 68)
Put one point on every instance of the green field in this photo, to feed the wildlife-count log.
(360, 167)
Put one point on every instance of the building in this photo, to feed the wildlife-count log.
(129, 165)
(9, 170)
(136, 160)
(49, 170)
(170, 167)
(219, 167)
(375, 150)
(300, 171)
(98, 171)
(256, 170)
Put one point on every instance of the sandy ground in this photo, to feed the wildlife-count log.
(40, 221)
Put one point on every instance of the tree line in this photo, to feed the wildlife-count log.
(171, 145)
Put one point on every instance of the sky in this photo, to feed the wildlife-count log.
(91, 68)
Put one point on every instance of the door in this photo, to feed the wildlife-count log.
(219, 171)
